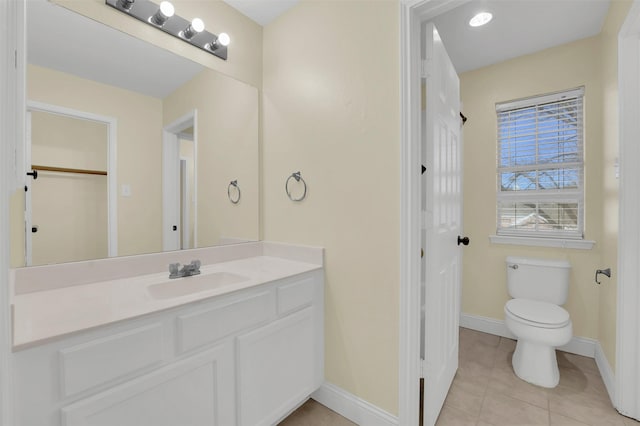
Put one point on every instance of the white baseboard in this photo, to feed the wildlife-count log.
(486, 325)
(352, 407)
(606, 372)
(578, 345)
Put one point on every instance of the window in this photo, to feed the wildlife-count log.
(540, 166)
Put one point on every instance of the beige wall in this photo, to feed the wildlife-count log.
(139, 149)
(331, 111)
(69, 209)
(609, 61)
(227, 149)
(61, 141)
(244, 60)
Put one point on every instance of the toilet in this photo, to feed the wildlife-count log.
(538, 288)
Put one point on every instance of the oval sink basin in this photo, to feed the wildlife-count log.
(194, 284)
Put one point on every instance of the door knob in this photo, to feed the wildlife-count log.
(463, 241)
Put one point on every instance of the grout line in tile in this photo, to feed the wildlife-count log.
(486, 388)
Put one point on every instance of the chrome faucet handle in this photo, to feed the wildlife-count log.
(196, 264)
(174, 268)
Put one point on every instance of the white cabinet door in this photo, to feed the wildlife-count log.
(278, 368)
(196, 391)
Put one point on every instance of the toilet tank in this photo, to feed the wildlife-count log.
(538, 279)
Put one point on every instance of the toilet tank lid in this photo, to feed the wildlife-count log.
(554, 263)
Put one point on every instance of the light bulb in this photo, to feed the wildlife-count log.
(165, 12)
(223, 39)
(167, 9)
(480, 19)
(196, 26)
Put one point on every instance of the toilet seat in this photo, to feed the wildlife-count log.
(537, 313)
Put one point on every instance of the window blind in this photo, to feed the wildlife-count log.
(540, 166)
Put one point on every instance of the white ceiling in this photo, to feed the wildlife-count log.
(66, 41)
(519, 27)
(262, 11)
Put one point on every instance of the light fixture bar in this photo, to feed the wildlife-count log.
(145, 10)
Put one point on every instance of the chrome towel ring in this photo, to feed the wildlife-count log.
(298, 177)
(233, 183)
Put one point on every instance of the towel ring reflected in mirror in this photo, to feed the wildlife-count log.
(234, 183)
(298, 177)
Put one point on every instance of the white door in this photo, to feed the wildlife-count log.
(170, 191)
(442, 213)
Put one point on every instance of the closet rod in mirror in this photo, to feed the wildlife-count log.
(68, 170)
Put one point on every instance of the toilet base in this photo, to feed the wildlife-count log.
(536, 364)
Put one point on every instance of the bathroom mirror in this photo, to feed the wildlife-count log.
(134, 147)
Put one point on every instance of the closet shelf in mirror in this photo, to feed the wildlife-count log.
(68, 170)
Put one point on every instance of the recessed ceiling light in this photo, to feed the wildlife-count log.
(481, 19)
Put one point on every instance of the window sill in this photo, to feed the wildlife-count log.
(543, 242)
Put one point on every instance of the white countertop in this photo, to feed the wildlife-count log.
(43, 315)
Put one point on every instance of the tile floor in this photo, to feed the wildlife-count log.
(312, 413)
(486, 392)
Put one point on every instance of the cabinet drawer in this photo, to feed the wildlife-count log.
(209, 325)
(102, 360)
(295, 295)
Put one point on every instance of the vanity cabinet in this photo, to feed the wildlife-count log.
(246, 358)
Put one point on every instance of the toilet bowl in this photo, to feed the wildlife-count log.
(534, 316)
(539, 327)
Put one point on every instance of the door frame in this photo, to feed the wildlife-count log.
(12, 177)
(627, 376)
(412, 14)
(184, 203)
(171, 181)
(112, 178)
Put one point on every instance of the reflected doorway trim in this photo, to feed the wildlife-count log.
(412, 14)
(112, 181)
(171, 182)
(12, 108)
(627, 376)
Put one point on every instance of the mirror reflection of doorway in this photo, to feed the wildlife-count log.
(179, 186)
(187, 182)
(67, 205)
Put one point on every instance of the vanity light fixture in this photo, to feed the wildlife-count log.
(481, 19)
(163, 17)
(196, 26)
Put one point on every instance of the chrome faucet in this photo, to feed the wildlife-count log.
(187, 270)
